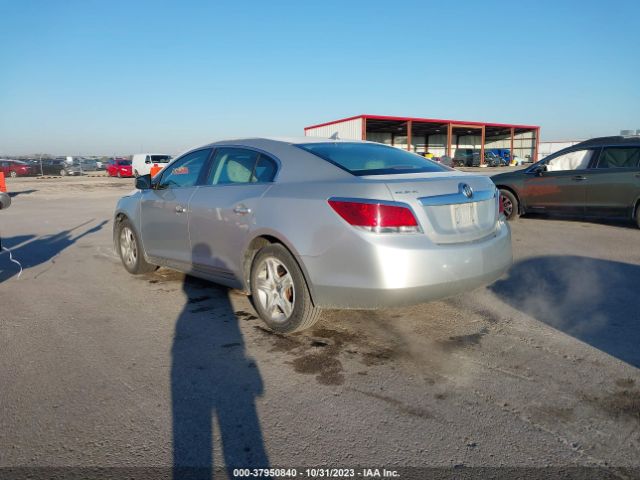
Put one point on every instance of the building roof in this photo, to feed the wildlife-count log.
(426, 120)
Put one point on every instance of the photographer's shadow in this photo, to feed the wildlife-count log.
(211, 377)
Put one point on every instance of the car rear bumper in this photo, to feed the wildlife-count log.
(383, 273)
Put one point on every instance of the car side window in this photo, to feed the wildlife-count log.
(185, 171)
(265, 170)
(575, 160)
(232, 165)
(619, 157)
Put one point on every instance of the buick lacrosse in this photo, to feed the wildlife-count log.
(307, 224)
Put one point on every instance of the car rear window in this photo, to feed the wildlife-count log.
(371, 158)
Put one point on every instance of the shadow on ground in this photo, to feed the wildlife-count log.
(21, 192)
(212, 378)
(585, 221)
(32, 251)
(595, 301)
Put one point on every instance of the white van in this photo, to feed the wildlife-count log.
(142, 162)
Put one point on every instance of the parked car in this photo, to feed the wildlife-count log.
(308, 224)
(142, 162)
(598, 177)
(493, 160)
(15, 168)
(466, 157)
(51, 166)
(118, 167)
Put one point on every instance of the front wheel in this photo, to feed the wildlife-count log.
(279, 291)
(130, 249)
(509, 205)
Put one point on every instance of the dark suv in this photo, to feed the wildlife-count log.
(599, 177)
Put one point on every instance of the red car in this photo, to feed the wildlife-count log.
(14, 168)
(118, 167)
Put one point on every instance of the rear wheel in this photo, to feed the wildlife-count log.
(279, 291)
(130, 250)
(638, 215)
(509, 205)
(13, 174)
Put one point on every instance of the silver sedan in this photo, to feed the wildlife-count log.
(307, 224)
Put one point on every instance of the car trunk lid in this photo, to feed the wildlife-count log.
(452, 207)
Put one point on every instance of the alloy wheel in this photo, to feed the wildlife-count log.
(507, 206)
(128, 247)
(275, 289)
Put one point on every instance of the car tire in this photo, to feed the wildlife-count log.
(119, 174)
(638, 215)
(13, 174)
(510, 205)
(130, 249)
(63, 172)
(285, 304)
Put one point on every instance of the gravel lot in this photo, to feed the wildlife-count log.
(100, 368)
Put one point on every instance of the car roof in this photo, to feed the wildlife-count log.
(275, 141)
(610, 141)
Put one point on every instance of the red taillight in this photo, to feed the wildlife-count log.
(376, 217)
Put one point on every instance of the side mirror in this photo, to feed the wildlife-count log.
(143, 182)
(540, 169)
(5, 200)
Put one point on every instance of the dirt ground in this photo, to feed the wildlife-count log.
(101, 368)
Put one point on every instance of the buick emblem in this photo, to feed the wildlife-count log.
(467, 190)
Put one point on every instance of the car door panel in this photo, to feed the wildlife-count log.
(561, 186)
(164, 224)
(562, 192)
(164, 211)
(223, 211)
(614, 184)
(220, 221)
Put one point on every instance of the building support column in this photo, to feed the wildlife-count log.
(364, 128)
(511, 153)
(482, 140)
(535, 151)
(449, 135)
(409, 134)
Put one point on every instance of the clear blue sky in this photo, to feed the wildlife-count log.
(104, 77)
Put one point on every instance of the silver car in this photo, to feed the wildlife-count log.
(308, 224)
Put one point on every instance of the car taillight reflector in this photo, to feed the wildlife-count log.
(376, 217)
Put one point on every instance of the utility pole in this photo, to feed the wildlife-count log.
(41, 170)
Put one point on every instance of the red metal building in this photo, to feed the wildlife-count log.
(437, 136)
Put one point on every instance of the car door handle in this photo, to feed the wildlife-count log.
(180, 209)
(242, 210)
(579, 178)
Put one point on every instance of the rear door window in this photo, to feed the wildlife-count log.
(232, 165)
(619, 157)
